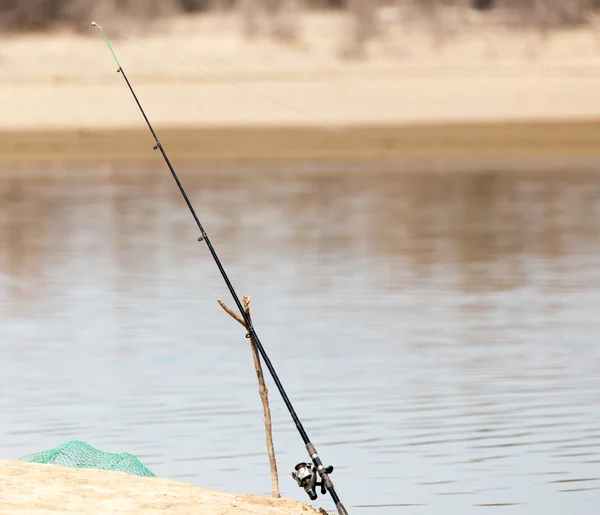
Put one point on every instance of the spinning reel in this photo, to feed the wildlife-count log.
(306, 476)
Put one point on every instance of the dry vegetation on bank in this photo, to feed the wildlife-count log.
(283, 18)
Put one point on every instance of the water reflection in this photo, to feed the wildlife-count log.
(436, 331)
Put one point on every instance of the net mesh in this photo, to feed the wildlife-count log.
(77, 454)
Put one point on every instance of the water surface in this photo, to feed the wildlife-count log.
(437, 333)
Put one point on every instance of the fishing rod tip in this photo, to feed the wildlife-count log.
(94, 24)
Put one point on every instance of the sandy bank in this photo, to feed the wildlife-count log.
(531, 144)
(33, 489)
(218, 96)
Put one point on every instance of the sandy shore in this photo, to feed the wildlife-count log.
(532, 143)
(33, 489)
(215, 88)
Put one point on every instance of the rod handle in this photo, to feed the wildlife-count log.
(340, 508)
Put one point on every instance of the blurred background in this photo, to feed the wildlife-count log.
(410, 193)
(284, 17)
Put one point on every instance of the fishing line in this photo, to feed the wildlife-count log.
(384, 143)
(304, 473)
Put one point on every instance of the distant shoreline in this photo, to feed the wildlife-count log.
(213, 96)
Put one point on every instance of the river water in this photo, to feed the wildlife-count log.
(437, 333)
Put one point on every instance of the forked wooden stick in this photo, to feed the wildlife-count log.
(262, 390)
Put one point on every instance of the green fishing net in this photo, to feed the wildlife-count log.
(77, 454)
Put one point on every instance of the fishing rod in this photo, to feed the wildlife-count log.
(304, 473)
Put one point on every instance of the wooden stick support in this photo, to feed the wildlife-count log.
(263, 392)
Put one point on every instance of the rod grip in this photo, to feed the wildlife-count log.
(340, 508)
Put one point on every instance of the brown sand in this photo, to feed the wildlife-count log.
(487, 92)
(550, 140)
(34, 489)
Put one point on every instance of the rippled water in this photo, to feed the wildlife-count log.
(437, 333)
